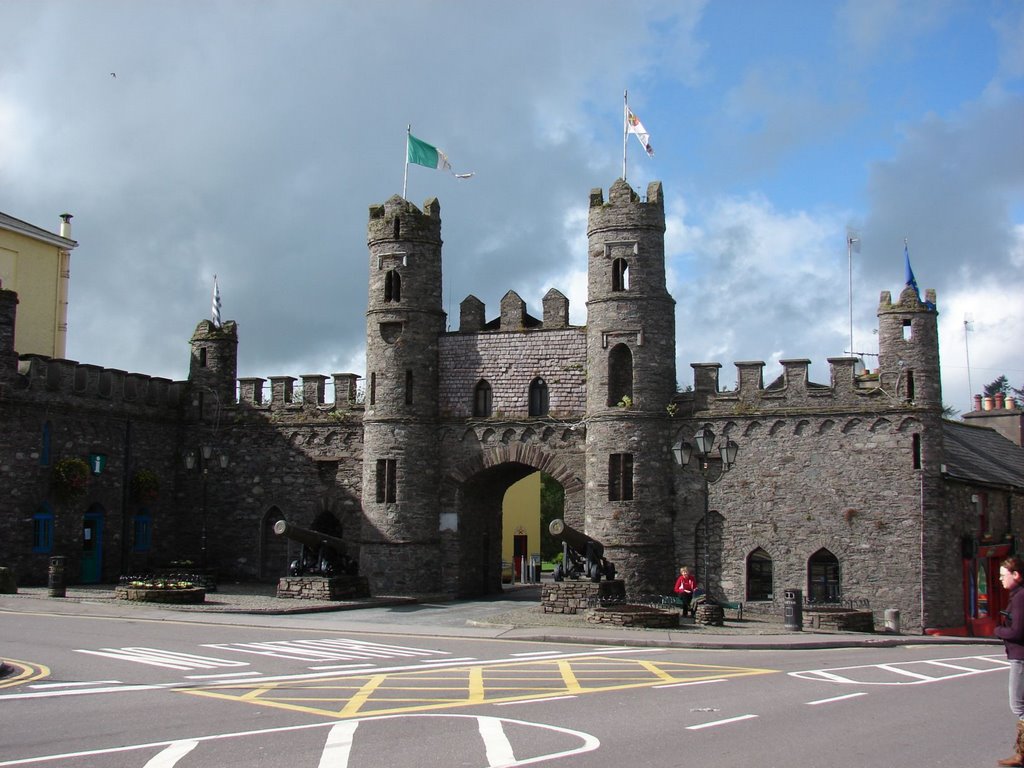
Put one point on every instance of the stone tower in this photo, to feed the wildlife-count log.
(213, 367)
(631, 379)
(404, 319)
(8, 317)
(908, 348)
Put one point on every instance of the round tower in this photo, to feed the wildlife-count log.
(213, 366)
(631, 379)
(908, 348)
(404, 319)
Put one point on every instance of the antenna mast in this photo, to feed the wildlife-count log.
(852, 244)
(968, 327)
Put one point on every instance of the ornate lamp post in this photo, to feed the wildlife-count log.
(703, 448)
(201, 460)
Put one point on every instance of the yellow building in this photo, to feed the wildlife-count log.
(520, 522)
(37, 264)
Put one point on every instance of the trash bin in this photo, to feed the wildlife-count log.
(56, 577)
(793, 609)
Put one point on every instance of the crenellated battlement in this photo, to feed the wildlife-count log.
(792, 389)
(311, 393)
(53, 376)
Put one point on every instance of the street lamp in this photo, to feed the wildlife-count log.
(200, 460)
(703, 448)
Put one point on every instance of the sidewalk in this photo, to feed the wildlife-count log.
(513, 615)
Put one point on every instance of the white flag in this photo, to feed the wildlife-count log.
(634, 126)
(216, 303)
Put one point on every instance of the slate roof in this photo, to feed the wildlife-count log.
(982, 455)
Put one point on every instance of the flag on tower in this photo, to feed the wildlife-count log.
(634, 126)
(429, 156)
(216, 303)
(911, 280)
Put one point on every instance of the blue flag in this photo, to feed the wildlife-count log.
(911, 280)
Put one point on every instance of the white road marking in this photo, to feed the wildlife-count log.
(448, 661)
(69, 685)
(836, 698)
(537, 653)
(169, 757)
(168, 659)
(222, 675)
(715, 723)
(695, 682)
(335, 742)
(905, 669)
(497, 747)
(338, 746)
(532, 701)
(82, 691)
(329, 649)
(340, 666)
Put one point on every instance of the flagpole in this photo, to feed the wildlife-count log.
(625, 131)
(405, 179)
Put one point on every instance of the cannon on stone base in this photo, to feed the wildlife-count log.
(582, 556)
(322, 554)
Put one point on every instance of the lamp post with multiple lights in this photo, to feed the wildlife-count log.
(703, 449)
(201, 460)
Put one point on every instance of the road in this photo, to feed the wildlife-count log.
(156, 693)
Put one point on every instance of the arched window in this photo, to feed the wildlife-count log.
(482, 395)
(620, 375)
(823, 578)
(620, 275)
(42, 529)
(538, 397)
(392, 286)
(759, 575)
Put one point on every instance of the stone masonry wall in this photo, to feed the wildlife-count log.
(509, 362)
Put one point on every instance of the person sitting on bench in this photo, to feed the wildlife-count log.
(685, 586)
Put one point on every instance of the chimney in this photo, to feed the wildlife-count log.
(1000, 400)
(977, 402)
(987, 402)
(65, 225)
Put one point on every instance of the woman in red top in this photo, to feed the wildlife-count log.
(685, 586)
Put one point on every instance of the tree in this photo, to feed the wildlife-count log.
(552, 506)
(999, 385)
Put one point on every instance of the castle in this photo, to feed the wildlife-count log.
(843, 490)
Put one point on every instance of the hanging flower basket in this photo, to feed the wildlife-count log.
(145, 486)
(70, 478)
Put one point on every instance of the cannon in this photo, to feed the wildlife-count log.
(322, 554)
(582, 556)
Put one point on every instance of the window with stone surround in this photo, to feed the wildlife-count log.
(620, 477)
(823, 578)
(538, 397)
(620, 376)
(387, 482)
(482, 399)
(373, 388)
(620, 275)
(42, 530)
(915, 449)
(759, 575)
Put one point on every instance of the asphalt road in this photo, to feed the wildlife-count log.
(155, 693)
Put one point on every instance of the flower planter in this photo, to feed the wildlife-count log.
(186, 596)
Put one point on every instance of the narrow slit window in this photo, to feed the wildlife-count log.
(387, 483)
(373, 388)
(915, 448)
(392, 286)
(908, 330)
(910, 386)
(620, 477)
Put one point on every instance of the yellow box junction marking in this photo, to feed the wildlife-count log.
(26, 673)
(382, 693)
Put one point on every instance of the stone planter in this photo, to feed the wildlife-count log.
(627, 615)
(189, 596)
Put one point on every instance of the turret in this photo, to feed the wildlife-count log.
(213, 367)
(404, 319)
(8, 317)
(631, 379)
(908, 348)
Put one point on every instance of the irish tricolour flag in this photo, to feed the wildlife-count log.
(421, 153)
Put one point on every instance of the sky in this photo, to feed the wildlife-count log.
(248, 139)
